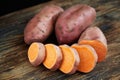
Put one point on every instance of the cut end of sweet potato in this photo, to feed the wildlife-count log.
(33, 52)
(99, 47)
(87, 56)
(70, 60)
(93, 33)
(53, 57)
(36, 53)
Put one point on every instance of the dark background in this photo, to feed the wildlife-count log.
(7, 6)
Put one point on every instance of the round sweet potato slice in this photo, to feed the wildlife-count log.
(53, 57)
(36, 53)
(88, 57)
(70, 60)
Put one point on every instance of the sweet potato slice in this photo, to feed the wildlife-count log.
(88, 57)
(70, 60)
(99, 47)
(53, 57)
(36, 53)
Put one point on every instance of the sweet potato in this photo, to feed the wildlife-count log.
(53, 57)
(99, 47)
(73, 21)
(70, 60)
(94, 36)
(36, 53)
(88, 57)
(93, 33)
(41, 25)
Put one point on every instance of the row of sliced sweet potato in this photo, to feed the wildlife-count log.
(81, 56)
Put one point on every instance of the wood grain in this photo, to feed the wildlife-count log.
(14, 64)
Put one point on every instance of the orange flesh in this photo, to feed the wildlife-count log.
(87, 58)
(51, 56)
(33, 52)
(99, 47)
(68, 59)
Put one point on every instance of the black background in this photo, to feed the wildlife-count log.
(7, 6)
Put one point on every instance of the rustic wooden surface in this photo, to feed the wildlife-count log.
(14, 64)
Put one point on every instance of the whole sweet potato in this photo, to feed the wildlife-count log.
(73, 21)
(41, 25)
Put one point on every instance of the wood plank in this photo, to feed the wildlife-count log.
(14, 63)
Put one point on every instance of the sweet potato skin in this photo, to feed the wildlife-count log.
(72, 22)
(93, 33)
(42, 24)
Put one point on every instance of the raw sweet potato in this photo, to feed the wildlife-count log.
(94, 36)
(36, 53)
(93, 33)
(88, 57)
(73, 21)
(70, 60)
(41, 25)
(99, 47)
(53, 57)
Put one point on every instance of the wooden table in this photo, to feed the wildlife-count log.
(14, 64)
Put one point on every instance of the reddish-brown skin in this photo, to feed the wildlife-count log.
(41, 25)
(73, 21)
(93, 33)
